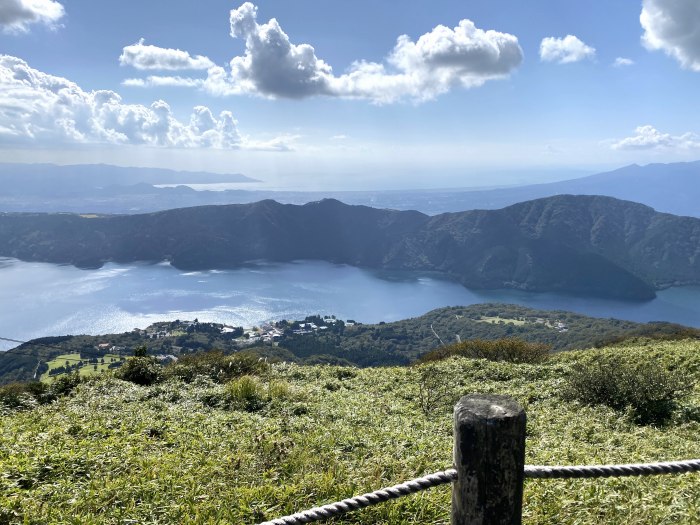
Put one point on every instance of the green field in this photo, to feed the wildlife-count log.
(175, 452)
(73, 359)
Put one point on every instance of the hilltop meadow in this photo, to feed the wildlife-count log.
(204, 442)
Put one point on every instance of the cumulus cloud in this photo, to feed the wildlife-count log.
(273, 65)
(17, 15)
(647, 138)
(143, 56)
(621, 62)
(444, 58)
(565, 50)
(673, 26)
(38, 107)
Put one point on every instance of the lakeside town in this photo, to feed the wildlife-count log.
(269, 332)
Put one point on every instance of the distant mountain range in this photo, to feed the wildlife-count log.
(87, 179)
(670, 188)
(584, 245)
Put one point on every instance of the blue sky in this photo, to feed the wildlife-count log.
(332, 96)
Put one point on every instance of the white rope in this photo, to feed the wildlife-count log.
(605, 471)
(366, 500)
(450, 475)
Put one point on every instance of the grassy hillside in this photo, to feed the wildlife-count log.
(403, 341)
(298, 436)
(383, 344)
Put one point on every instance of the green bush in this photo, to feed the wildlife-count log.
(216, 365)
(249, 393)
(64, 384)
(278, 390)
(649, 391)
(31, 393)
(142, 370)
(512, 350)
(16, 395)
(246, 393)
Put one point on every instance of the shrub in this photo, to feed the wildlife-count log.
(650, 392)
(345, 373)
(16, 395)
(246, 393)
(434, 392)
(216, 365)
(278, 390)
(141, 370)
(39, 390)
(250, 394)
(655, 330)
(512, 350)
(31, 393)
(64, 384)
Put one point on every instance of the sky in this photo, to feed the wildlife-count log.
(354, 95)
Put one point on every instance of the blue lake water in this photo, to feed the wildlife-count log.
(38, 299)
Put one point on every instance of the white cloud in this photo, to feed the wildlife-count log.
(283, 143)
(674, 27)
(272, 65)
(161, 81)
(438, 61)
(41, 108)
(16, 15)
(142, 56)
(565, 50)
(647, 138)
(621, 62)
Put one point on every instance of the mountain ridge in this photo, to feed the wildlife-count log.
(587, 245)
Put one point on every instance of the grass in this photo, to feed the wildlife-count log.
(87, 370)
(177, 452)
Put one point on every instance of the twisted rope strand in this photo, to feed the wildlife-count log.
(450, 475)
(605, 471)
(366, 500)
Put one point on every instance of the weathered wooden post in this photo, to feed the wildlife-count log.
(489, 455)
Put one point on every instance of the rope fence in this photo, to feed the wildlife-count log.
(471, 478)
(613, 471)
(367, 500)
(450, 475)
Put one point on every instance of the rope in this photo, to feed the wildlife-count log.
(366, 500)
(605, 471)
(450, 475)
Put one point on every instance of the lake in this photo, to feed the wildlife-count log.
(39, 299)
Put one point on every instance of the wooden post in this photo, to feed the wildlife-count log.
(489, 455)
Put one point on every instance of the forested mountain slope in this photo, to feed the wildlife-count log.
(587, 245)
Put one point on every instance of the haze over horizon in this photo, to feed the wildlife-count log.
(330, 97)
